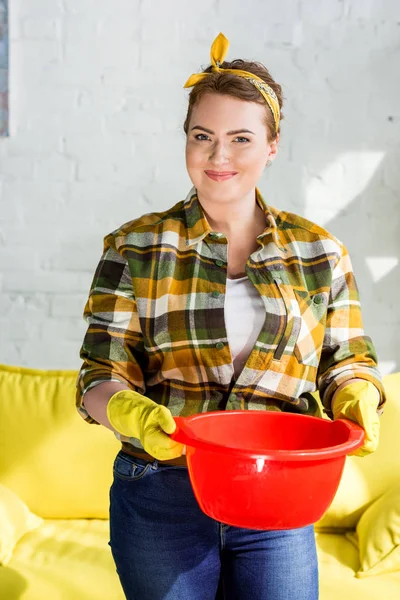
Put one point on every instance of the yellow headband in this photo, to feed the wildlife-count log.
(219, 49)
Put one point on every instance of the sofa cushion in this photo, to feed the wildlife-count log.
(58, 464)
(366, 478)
(378, 536)
(63, 559)
(71, 559)
(15, 520)
(338, 563)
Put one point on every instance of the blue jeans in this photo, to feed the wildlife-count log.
(166, 548)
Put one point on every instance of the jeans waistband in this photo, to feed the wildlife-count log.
(137, 453)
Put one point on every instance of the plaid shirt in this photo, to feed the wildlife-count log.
(155, 316)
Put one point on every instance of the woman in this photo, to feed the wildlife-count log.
(219, 303)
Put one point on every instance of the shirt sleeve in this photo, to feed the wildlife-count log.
(112, 348)
(347, 352)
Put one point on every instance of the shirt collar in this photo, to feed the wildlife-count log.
(197, 226)
(271, 226)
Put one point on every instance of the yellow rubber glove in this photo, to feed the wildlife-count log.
(134, 415)
(358, 402)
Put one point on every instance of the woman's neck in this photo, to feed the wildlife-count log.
(245, 216)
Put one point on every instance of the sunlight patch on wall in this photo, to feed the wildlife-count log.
(329, 192)
(380, 266)
(387, 366)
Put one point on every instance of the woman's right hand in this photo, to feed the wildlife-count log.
(134, 415)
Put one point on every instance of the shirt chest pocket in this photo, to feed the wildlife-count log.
(312, 318)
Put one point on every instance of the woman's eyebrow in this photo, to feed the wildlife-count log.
(233, 132)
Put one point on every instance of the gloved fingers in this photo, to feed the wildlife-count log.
(162, 415)
(155, 438)
(162, 447)
(366, 449)
(371, 440)
(167, 454)
(360, 452)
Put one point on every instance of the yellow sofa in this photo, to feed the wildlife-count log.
(55, 475)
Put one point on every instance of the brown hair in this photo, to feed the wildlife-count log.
(238, 87)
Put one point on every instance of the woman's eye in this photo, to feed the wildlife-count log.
(203, 137)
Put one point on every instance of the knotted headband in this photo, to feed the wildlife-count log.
(218, 52)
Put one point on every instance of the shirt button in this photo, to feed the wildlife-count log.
(216, 294)
(318, 299)
(219, 263)
(219, 345)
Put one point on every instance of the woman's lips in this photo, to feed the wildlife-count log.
(220, 176)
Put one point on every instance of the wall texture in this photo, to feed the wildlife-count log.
(96, 113)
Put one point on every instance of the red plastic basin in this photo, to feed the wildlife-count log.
(265, 470)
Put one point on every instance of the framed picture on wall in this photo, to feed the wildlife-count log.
(3, 67)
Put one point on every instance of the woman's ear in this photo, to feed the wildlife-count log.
(273, 149)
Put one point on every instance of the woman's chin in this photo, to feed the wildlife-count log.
(220, 191)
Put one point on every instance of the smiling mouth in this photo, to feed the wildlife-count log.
(220, 175)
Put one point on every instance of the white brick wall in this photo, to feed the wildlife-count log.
(97, 107)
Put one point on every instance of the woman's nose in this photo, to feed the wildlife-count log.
(219, 154)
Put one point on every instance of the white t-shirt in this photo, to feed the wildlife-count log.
(244, 318)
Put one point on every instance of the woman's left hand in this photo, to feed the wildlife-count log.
(358, 401)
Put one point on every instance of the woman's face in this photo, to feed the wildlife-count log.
(227, 135)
